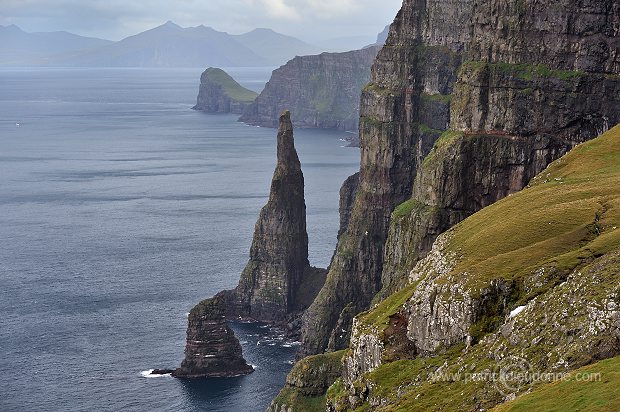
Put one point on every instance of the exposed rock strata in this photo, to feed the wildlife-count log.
(278, 280)
(416, 68)
(309, 379)
(212, 350)
(347, 197)
(530, 89)
(321, 91)
(277, 284)
(220, 93)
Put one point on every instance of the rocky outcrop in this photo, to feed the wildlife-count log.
(278, 280)
(347, 197)
(518, 84)
(276, 285)
(307, 383)
(321, 91)
(220, 93)
(212, 350)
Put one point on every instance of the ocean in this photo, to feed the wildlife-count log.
(120, 209)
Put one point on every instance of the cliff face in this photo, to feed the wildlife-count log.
(499, 90)
(518, 84)
(212, 350)
(321, 91)
(403, 111)
(539, 79)
(220, 93)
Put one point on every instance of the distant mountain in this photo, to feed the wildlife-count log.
(20, 48)
(382, 37)
(344, 44)
(168, 45)
(275, 47)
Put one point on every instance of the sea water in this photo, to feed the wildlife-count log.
(120, 209)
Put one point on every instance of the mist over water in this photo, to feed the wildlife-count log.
(120, 209)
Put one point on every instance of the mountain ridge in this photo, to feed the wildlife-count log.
(167, 45)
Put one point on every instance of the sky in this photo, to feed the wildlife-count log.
(311, 20)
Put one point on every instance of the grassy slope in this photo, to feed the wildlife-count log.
(568, 216)
(232, 89)
(593, 388)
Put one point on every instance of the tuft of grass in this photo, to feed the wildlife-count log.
(525, 71)
(230, 86)
(594, 388)
(441, 98)
(295, 402)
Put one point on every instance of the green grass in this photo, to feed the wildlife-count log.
(299, 403)
(595, 388)
(566, 218)
(526, 71)
(405, 208)
(441, 98)
(378, 90)
(378, 318)
(232, 89)
(441, 145)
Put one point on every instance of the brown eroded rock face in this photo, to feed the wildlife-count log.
(322, 91)
(212, 350)
(278, 280)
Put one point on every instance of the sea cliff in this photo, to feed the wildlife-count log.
(469, 101)
(321, 91)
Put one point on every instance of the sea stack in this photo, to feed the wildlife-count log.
(212, 350)
(220, 93)
(278, 279)
(277, 284)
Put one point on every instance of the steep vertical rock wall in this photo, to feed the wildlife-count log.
(277, 284)
(321, 91)
(279, 252)
(416, 68)
(539, 79)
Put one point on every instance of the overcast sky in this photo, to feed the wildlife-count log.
(115, 19)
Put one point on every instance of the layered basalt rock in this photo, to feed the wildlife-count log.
(278, 280)
(212, 350)
(322, 91)
(519, 84)
(277, 284)
(220, 93)
(416, 68)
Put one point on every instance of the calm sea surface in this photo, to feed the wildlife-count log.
(121, 208)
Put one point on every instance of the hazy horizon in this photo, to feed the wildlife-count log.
(310, 20)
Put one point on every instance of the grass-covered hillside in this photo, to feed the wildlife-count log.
(594, 388)
(534, 278)
(229, 85)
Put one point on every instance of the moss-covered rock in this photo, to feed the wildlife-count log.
(307, 384)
